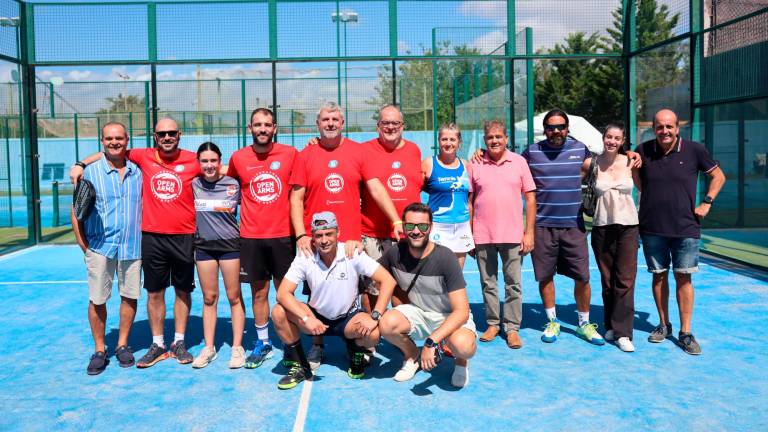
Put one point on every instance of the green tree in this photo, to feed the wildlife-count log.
(123, 103)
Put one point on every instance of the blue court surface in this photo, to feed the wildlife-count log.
(568, 385)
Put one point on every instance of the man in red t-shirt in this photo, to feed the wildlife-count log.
(328, 177)
(396, 162)
(267, 247)
(168, 228)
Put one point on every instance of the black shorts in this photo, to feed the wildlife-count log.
(560, 250)
(208, 255)
(336, 326)
(168, 260)
(265, 259)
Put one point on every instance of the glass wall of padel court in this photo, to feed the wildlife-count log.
(208, 64)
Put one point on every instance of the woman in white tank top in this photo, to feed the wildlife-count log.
(615, 236)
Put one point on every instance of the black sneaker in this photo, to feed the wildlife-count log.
(124, 355)
(688, 343)
(180, 353)
(357, 365)
(660, 333)
(295, 376)
(154, 354)
(98, 363)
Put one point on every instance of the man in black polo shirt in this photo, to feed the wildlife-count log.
(670, 219)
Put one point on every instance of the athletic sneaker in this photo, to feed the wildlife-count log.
(295, 376)
(609, 336)
(261, 351)
(154, 354)
(460, 377)
(551, 331)
(180, 353)
(660, 333)
(688, 343)
(588, 332)
(316, 356)
(98, 363)
(357, 366)
(237, 359)
(408, 371)
(124, 355)
(206, 356)
(625, 344)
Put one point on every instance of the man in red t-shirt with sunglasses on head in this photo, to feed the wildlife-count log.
(168, 227)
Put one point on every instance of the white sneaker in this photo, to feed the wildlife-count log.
(460, 377)
(237, 360)
(315, 356)
(407, 372)
(206, 356)
(609, 336)
(625, 344)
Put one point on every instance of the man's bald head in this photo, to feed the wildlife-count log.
(666, 115)
(167, 136)
(666, 127)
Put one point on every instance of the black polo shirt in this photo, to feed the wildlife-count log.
(669, 182)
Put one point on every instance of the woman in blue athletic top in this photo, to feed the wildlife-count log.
(446, 180)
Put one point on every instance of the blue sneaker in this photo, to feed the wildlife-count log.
(551, 331)
(589, 333)
(261, 352)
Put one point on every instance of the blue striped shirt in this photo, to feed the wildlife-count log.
(113, 228)
(557, 174)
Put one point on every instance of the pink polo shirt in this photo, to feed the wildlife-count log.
(498, 206)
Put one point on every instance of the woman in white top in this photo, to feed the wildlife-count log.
(615, 236)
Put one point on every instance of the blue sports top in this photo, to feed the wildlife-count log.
(557, 174)
(448, 190)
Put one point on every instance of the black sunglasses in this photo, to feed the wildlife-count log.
(172, 133)
(556, 127)
(423, 227)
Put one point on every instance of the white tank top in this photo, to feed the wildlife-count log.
(614, 203)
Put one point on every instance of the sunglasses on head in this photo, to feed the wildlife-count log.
(556, 127)
(423, 227)
(172, 133)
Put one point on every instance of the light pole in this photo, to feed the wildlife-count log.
(345, 17)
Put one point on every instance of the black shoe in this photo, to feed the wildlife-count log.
(124, 355)
(688, 343)
(153, 355)
(660, 333)
(180, 353)
(295, 376)
(357, 365)
(98, 363)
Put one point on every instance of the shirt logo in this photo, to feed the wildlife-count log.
(396, 164)
(231, 190)
(166, 186)
(265, 187)
(274, 166)
(334, 183)
(397, 182)
(179, 168)
(574, 157)
(333, 163)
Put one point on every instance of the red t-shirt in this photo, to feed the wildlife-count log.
(168, 205)
(265, 211)
(332, 180)
(399, 171)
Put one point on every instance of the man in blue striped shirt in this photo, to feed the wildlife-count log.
(110, 237)
(560, 236)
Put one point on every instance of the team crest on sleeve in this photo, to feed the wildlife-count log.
(334, 183)
(166, 186)
(396, 165)
(265, 187)
(274, 166)
(333, 163)
(397, 182)
(231, 190)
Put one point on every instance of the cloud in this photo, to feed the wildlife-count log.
(77, 75)
(489, 41)
(492, 10)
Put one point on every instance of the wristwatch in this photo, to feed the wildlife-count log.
(708, 200)
(375, 315)
(429, 343)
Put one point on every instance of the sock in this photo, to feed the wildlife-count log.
(178, 337)
(262, 332)
(551, 314)
(295, 352)
(583, 318)
(159, 340)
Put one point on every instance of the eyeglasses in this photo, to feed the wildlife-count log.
(423, 227)
(394, 124)
(556, 127)
(162, 134)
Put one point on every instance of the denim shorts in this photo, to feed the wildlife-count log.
(660, 251)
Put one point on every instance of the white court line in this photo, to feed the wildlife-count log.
(45, 282)
(24, 252)
(301, 414)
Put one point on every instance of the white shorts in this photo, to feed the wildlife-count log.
(456, 237)
(101, 273)
(424, 323)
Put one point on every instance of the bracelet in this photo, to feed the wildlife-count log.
(300, 236)
(80, 164)
(396, 223)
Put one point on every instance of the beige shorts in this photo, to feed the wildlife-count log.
(424, 323)
(374, 248)
(101, 272)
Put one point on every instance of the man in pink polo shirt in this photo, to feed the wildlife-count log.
(498, 182)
